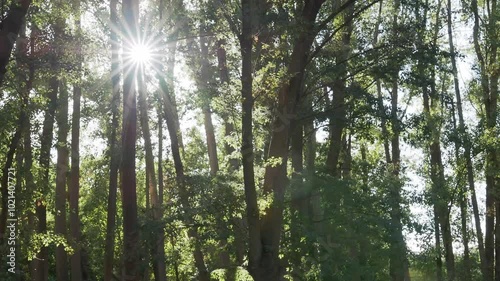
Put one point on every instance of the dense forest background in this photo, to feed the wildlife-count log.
(254, 140)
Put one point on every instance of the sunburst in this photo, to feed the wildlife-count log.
(141, 53)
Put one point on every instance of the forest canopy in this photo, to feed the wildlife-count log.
(249, 140)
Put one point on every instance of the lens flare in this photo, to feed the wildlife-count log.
(140, 53)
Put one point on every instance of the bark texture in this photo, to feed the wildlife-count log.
(130, 10)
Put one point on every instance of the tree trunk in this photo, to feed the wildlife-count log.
(61, 180)
(114, 146)
(338, 120)
(158, 250)
(299, 200)
(172, 120)
(464, 140)
(62, 147)
(398, 262)
(489, 71)
(228, 125)
(275, 177)
(160, 157)
(247, 150)
(10, 27)
(380, 102)
(465, 236)
(207, 112)
(74, 188)
(28, 151)
(30, 185)
(439, 186)
(441, 195)
(130, 9)
(42, 270)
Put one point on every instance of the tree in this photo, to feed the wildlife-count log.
(114, 145)
(10, 27)
(489, 89)
(130, 10)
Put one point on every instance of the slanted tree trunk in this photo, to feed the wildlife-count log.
(439, 185)
(113, 146)
(461, 140)
(275, 176)
(462, 197)
(130, 10)
(172, 120)
(10, 28)
(464, 139)
(206, 95)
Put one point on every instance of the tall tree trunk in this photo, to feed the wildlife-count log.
(275, 177)
(61, 180)
(10, 27)
(228, 125)
(158, 250)
(130, 10)
(380, 101)
(161, 237)
(28, 151)
(74, 188)
(398, 261)
(299, 200)
(114, 146)
(489, 74)
(160, 156)
(463, 141)
(247, 150)
(432, 113)
(207, 112)
(172, 120)
(30, 186)
(42, 270)
(62, 167)
(206, 95)
(439, 185)
(466, 145)
(338, 120)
